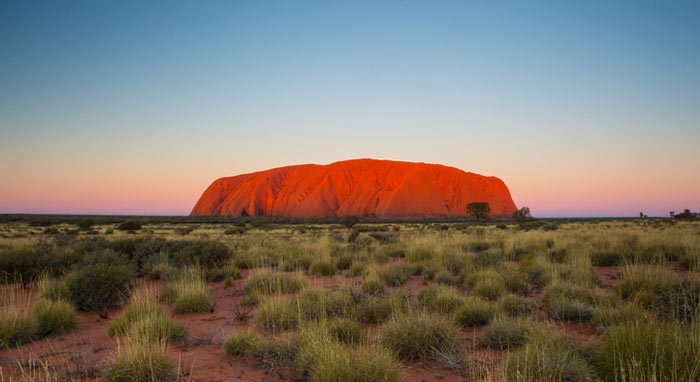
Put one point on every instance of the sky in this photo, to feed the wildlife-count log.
(583, 108)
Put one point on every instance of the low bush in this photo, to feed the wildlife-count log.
(140, 362)
(419, 336)
(98, 287)
(129, 225)
(504, 333)
(205, 254)
(54, 317)
(474, 312)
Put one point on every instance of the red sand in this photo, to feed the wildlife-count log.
(362, 187)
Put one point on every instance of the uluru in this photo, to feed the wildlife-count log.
(362, 187)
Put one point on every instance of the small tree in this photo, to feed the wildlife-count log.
(522, 214)
(85, 224)
(349, 221)
(479, 210)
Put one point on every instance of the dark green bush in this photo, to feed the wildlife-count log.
(98, 287)
(129, 225)
(202, 253)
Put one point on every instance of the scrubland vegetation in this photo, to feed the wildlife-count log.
(587, 300)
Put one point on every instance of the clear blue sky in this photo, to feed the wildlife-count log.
(582, 108)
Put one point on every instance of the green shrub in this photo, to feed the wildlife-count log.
(98, 287)
(514, 305)
(137, 363)
(242, 343)
(54, 317)
(274, 283)
(15, 329)
(322, 268)
(129, 225)
(205, 254)
(474, 312)
(650, 351)
(419, 336)
(504, 333)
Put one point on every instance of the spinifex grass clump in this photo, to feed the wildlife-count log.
(420, 336)
(487, 284)
(322, 268)
(440, 298)
(322, 357)
(273, 283)
(138, 362)
(356, 364)
(646, 285)
(474, 312)
(276, 313)
(144, 320)
(650, 351)
(547, 358)
(15, 329)
(504, 333)
(54, 317)
(514, 305)
(189, 293)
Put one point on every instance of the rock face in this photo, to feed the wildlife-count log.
(362, 187)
